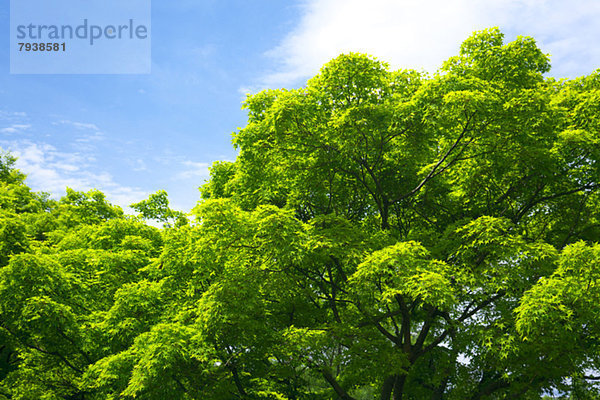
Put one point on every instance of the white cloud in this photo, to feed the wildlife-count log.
(138, 165)
(79, 125)
(64, 167)
(124, 196)
(15, 128)
(51, 170)
(11, 115)
(91, 137)
(422, 34)
(193, 170)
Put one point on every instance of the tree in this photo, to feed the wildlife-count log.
(61, 264)
(382, 234)
(433, 209)
(157, 208)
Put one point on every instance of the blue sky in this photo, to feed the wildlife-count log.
(131, 135)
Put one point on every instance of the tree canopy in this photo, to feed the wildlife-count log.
(381, 235)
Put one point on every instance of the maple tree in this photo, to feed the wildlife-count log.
(382, 234)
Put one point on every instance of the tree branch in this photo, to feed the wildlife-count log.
(335, 385)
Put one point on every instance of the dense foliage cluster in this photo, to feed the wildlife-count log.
(382, 234)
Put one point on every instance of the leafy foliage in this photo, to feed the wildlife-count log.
(382, 234)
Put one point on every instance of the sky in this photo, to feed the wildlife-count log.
(131, 135)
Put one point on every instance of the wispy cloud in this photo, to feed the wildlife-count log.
(51, 170)
(138, 165)
(15, 128)
(91, 137)
(79, 125)
(11, 115)
(194, 170)
(422, 34)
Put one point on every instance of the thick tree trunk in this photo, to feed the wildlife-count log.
(393, 384)
(388, 387)
(385, 214)
(399, 387)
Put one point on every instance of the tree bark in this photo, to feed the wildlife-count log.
(399, 387)
(388, 387)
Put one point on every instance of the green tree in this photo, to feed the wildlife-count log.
(156, 207)
(382, 234)
(61, 264)
(427, 212)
